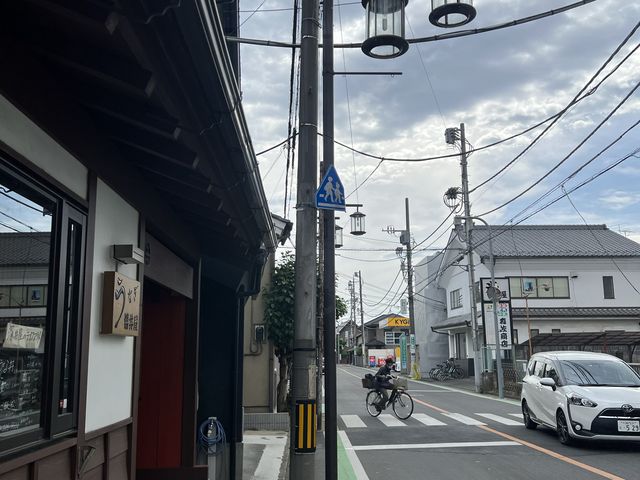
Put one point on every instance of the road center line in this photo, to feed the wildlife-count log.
(553, 454)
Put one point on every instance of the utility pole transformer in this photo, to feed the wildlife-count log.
(303, 380)
(477, 368)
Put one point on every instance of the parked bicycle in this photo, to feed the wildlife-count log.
(400, 401)
(446, 371)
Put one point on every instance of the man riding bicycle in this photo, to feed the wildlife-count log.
(382, 381)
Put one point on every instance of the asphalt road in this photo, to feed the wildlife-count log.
(454, 435)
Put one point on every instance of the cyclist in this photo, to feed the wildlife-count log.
(382, 381)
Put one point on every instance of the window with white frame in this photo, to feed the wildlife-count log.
(455, 299)
(392, 338)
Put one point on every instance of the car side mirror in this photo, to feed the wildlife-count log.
(548, 382)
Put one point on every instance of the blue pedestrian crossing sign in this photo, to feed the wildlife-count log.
(330, 195)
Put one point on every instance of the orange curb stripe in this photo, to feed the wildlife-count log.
(553, 454)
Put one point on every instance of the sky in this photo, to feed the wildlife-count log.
(498, 84)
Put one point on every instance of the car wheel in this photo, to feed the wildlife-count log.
(526, 417)
(563, 428)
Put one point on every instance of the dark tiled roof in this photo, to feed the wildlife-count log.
(578, 312)
(554, 241)
(584, 338)
(25, 248)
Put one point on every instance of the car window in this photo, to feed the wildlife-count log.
(531, 367)
(551, 372)
(599, 372)
(539, 370)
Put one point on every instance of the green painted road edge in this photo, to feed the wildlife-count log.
(345, 470)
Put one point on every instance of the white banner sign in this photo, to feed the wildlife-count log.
(19, 336)
(504, 325)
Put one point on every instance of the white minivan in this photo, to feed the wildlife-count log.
(582, 395)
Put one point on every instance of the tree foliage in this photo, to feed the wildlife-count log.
(341, 307)
(279, 305)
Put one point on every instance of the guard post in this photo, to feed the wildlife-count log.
(306, 426)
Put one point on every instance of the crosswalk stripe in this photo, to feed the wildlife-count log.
(352, 421)
(391, 421)
(427, 420)
(517, 415)
(499, 419)
(464, 419)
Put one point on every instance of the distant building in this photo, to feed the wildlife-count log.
(580, 283)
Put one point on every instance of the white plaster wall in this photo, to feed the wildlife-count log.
(26, 138)
(110, 357)
(459, 279)
(586, 288)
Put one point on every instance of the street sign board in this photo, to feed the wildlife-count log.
(330, 195)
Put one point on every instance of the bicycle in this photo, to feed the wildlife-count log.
(446, 371)
(400, 400)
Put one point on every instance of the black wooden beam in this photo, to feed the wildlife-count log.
(147, 141)
(32, 89)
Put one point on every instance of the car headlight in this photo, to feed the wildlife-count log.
(580, 401)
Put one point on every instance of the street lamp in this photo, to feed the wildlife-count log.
(357, 222)
(494, 295)
(451, 13)
(338, 236)
(385, 28)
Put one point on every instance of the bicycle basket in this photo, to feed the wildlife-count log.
(401, 383)
(367, 381)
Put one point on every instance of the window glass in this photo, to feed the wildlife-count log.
(532, 367)
(607, 283)
(515, 285)
(26, 221)
(545, 287)
(551, 373)
(455, 299)
(539, 287)
(66, 399)
(539, 371)
(599, 373)
(561, 287)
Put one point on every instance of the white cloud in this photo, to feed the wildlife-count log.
(497, 83)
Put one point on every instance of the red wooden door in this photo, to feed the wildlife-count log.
(161, 384)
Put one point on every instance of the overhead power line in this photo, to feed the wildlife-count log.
(578, 98)
(434, 38)
(585, 140)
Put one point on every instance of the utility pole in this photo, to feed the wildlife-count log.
(352, 318)
(412, 366)
(303, 381)
(365, 360)
(329, 298)
(468, 225)
(320, 299)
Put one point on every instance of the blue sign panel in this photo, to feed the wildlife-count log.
(330, 195)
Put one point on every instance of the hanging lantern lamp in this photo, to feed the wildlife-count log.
(385, 28)
(451, 13)
(357, 222)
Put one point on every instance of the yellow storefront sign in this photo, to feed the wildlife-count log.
(397, 322)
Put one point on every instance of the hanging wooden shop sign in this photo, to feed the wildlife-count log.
(120, 305)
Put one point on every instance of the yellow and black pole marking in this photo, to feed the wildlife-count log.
(305, 440)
